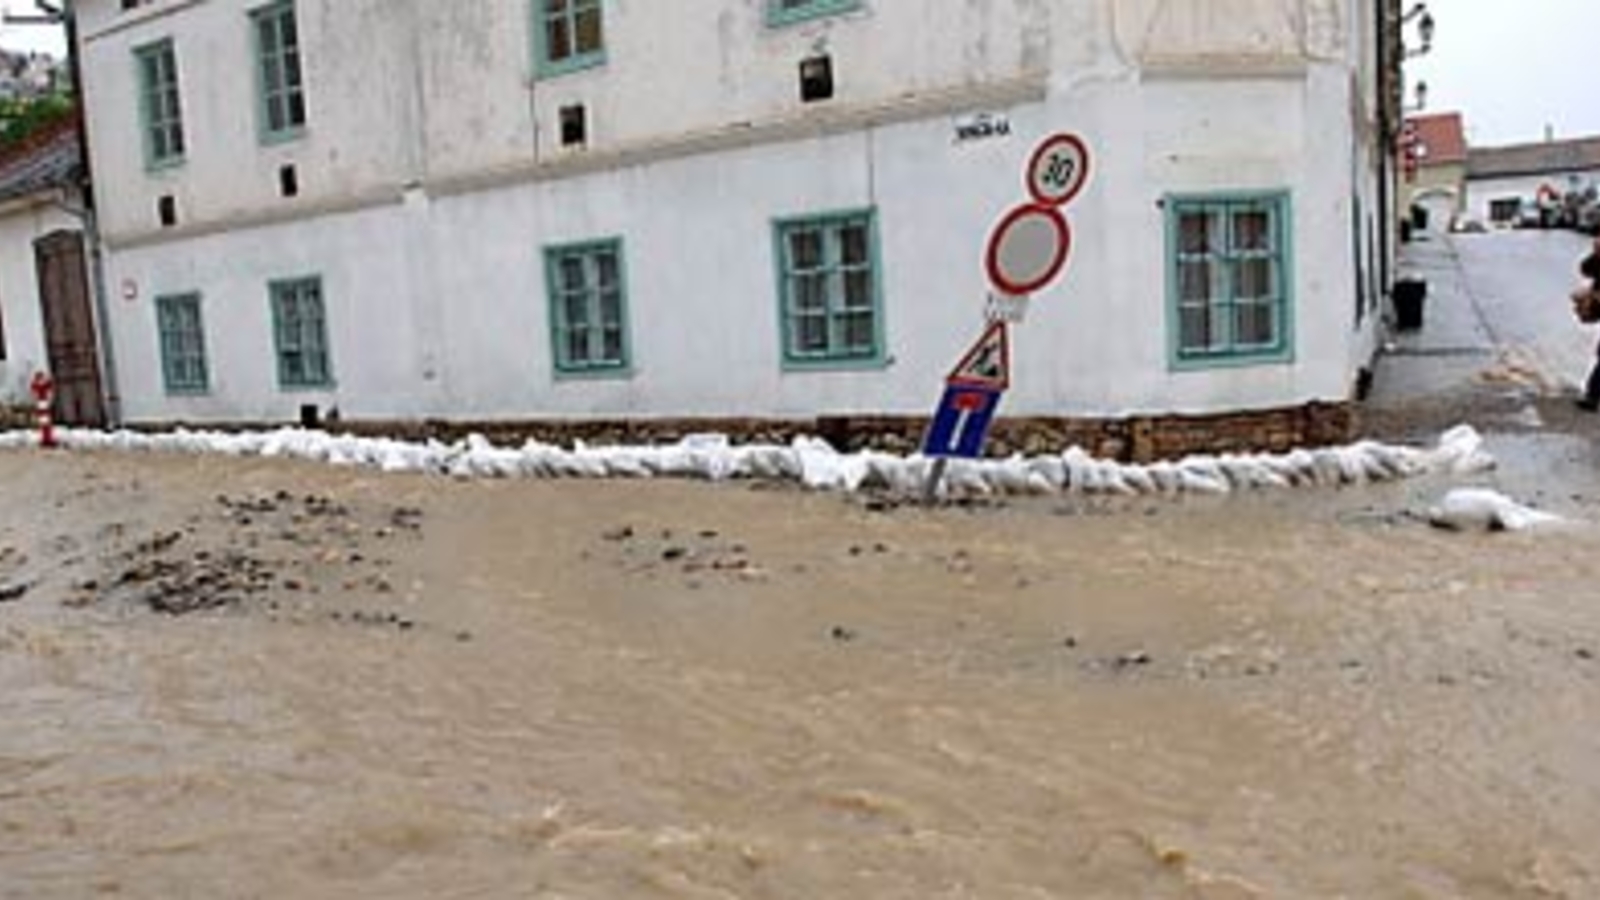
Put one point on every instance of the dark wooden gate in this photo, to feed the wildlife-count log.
(69, 329)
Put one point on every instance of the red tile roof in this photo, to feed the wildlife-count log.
(1444, 136)
(49, 158)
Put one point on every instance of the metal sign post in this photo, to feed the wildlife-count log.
(1028, 249)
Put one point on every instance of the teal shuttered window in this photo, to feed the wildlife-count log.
(588, 302)
(160, 106)
(300, 330)
(279, 78)
(568, 35)
(1230, 279)
(785, 12)
(183, 344)
(828, 287)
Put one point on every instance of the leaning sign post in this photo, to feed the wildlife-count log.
(1028, 249)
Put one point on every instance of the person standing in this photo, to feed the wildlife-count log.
(1590, 269)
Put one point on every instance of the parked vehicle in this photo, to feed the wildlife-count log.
(1573, 207)
(1589, 218)
(1530, 215)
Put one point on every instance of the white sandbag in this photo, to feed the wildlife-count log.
(966, 479)
(1467, 509)
(1051, 470)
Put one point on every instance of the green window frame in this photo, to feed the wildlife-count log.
(830, 290)
(183, 344)
(160, 103)
(568, 35)
(788, 12)
(1230, 277)
(280, 80)
(587, 296)
(300, 333)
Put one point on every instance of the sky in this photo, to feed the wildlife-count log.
(1511, 68)
(30, 37)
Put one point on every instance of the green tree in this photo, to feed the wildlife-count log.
(21, 117)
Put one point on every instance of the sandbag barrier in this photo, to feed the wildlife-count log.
(815, 464)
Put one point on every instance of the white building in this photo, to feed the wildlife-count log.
(754, 209)
(1502, 181)
(47, 318)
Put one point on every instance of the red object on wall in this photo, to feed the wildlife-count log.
(44, 389)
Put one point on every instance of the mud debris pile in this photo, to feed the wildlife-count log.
(280, 555)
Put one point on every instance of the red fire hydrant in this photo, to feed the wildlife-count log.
(44, 389)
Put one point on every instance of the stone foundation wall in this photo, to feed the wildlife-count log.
(16, 418)
(1138, 439)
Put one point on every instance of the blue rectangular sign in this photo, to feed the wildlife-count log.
(961, 423)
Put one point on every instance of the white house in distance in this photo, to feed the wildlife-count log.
(613, 210)
(1502, 180)
(47, 320)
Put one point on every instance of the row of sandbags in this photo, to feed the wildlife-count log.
(814, 463)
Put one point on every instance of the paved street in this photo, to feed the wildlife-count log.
(1497, 314)
(1499, 350)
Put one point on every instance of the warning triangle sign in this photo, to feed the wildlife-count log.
(988, 363)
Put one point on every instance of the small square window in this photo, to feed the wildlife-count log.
(574, 126)
(816, 79)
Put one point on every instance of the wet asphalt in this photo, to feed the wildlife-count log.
(1500, 350)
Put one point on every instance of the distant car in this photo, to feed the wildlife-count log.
(1530, 215)
(1465, 224)
(1589, 218)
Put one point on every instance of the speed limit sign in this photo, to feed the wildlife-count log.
(1059, 170)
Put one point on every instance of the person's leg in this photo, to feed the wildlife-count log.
(1591, 393)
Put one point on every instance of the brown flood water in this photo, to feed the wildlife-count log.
(455, 689)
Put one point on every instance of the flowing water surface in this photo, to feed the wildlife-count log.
(631, 690)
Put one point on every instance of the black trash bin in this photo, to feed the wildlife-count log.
(1409, 294)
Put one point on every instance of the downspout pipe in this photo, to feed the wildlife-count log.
(109, 383)
(1385, 147)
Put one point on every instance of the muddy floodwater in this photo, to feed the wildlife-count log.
(250, 679)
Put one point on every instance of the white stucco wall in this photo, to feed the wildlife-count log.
(436, 304)
(21, 223)
(438, 307)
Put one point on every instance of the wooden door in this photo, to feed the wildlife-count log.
(69, 332)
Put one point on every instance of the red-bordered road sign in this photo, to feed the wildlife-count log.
(1028, 249)
(988, 364)
(1058, 170)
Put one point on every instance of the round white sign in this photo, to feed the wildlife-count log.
(1028, 249)
(1058, 170)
